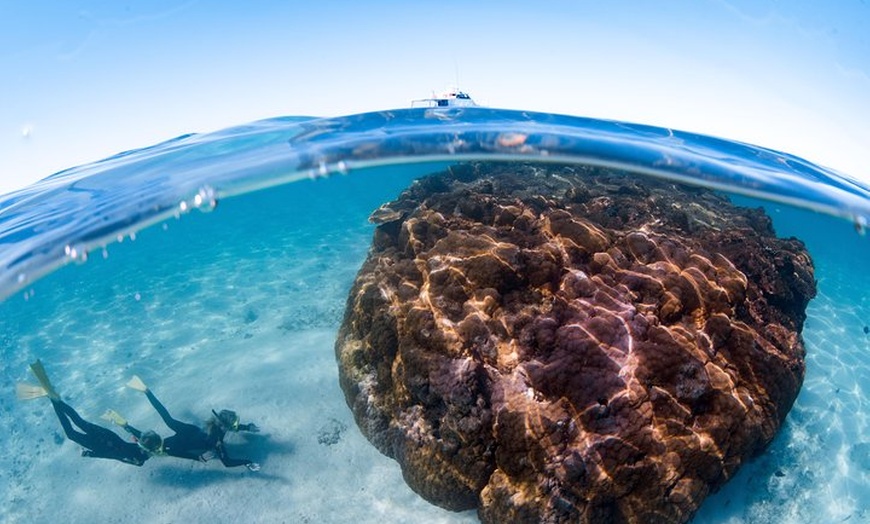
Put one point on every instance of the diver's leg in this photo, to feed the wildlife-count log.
(84, 425)
(94, 437)
(64, 413)
(175, 425)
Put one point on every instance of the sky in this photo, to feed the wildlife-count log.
(80, 81)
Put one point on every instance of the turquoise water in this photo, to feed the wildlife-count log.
(217, 267)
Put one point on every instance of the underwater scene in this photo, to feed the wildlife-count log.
(443, 314)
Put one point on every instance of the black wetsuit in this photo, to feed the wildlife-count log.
(98, 441)
(190, 441)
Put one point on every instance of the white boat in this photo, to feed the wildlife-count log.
(453, 97)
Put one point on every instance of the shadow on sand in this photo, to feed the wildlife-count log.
(258, 447)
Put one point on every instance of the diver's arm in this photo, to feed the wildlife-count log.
(186, 454)
(232, 463)
(228, 461)
(250, 427)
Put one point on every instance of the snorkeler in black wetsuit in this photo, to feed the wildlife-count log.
(194, 443)
(98, 441)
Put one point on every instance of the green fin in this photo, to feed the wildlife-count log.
(42, 377)
(29, 391)
(114, 417)
(137, 384)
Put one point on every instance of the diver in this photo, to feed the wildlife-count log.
(97, 441)
(190, 441)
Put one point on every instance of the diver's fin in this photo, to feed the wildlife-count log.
(114, 417)
(29, 391)
(137, 384)
(42, 377)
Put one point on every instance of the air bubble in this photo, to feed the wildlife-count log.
(322, 171)
(861, 225)
(137, 297)
(205, 200)
(76, 253)
(342, 167)
(21, 278)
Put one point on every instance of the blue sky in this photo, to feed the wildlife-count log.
(83, 80)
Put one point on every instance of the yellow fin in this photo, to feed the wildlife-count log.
(137, 384)
(42, 377)
(114, 417)
(29, 391)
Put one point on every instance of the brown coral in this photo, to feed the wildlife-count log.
(572, 344)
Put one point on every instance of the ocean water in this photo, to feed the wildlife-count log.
(216, 267)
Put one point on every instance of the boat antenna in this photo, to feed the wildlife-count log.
(456, 72)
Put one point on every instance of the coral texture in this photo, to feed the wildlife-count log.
(572, 344)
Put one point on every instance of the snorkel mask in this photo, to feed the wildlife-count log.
(227, 419)
(151, 443)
